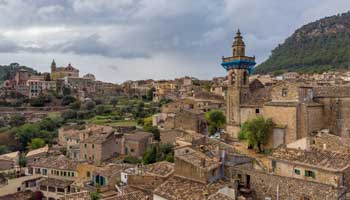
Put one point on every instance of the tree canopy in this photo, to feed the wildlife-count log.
(216, 120)
(256, 131)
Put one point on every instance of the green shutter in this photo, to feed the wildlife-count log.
(306, 173)
(313, 174)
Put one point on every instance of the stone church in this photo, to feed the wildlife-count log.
(297, 107)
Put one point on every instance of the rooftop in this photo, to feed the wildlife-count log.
(98, 138)
(176, 188)
(197, 158)
(11, 155)
(56, 162)
(331, 142)
(137, 136)
(59, 183)
(38, 151)
(322, 159)
(162, 168)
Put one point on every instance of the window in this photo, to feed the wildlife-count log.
(88, 174)
(64, 173)
(85, 145)
(85, 156)
(273, 163)
(297, 171)
(93, 146)
(72, 173)
(309, 173)
(284, 92)
(257, 111)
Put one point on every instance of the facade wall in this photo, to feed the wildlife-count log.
(285, 116)
(321, 176)
(285, 91)
(248, 113)
(188, 170)
(337, 115)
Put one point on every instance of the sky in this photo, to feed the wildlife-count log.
(119, 40)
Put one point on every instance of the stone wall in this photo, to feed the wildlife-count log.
(267, 185)
(337, 115)
(290, 92)
(284, 116)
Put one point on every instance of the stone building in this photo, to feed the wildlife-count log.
(197, 166)
(58, 167)
(188, 120)
(38, 85)
(134, 144)
(98, 147)
(61, 72)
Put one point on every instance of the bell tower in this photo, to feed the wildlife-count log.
(53, 66)
(238, 67)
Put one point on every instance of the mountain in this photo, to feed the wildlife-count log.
(315, 47)
(9, 71)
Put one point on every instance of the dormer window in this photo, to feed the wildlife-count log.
(284, 92)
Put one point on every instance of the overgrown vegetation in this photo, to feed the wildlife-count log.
(216, 120)
(256, 131)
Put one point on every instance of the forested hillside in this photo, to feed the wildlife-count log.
(316, 47)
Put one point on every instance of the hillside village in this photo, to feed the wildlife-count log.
(239, 137)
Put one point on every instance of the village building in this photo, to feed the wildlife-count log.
(9, 163)
(134, 144)
(37, 154)
(97, 145)
(62, 72)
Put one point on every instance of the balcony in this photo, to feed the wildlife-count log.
(235, 58)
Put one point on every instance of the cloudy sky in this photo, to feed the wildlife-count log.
(118, 40)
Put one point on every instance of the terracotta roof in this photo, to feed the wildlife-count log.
(176, 188)
(197, 158)
(220, 196)
(97, 138)
(55, 182)
(137, 136)
(56, 162)
(321, 159)
(332, 91)
(11, 155)
(331, 143)
(38, 151)
(162, 168)
(135, 195)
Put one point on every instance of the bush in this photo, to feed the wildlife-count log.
(69, 114)
(89, 105)
(37, 101)
(36, 143)
(132, 160)
(66, 100)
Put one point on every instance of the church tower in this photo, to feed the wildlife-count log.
(53, 66)
(238, 67)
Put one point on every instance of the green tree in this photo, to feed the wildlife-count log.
(114, 101)
(150, 93)
(154, 130)
(37, 101)
(22, 161)
(4, 149)
(150, 155)
(69, 114)
(256, 131)
(36, 143)
(66, 100)
(215, 119)
(17, 120)
(89, 105)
